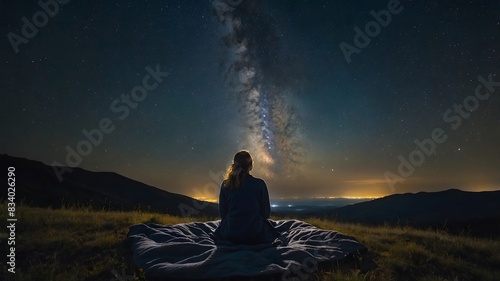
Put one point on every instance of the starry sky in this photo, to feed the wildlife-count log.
(330, 98)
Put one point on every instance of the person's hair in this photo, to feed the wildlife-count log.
(236, 173)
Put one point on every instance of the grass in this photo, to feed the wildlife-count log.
(77, 243)
(405, 253)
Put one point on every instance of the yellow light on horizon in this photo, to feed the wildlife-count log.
(207, 199)
(348, 197)
(216, 200)
(482, 188)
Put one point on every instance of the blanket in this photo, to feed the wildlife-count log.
(190, 251)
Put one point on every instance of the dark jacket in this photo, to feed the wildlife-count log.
(244, 212)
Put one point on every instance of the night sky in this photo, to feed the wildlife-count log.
(176, 88)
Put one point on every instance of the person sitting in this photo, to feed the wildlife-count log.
(244, 205)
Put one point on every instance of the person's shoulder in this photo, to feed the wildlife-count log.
(258, 181)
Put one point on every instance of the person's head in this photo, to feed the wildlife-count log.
(242, 165)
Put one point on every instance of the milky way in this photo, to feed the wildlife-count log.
(263, 81)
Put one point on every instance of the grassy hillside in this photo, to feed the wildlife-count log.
(81, 244)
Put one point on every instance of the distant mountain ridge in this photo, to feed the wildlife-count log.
(456, 210)
(453, 209)
(38, 185)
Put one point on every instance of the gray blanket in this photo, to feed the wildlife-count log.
(190, 251)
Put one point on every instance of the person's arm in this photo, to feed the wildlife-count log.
(265, 206)
(222, 203)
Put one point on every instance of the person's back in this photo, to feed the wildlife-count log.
(244, 206)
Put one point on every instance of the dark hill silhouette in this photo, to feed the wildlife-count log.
(456, 210)
(38, 185)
